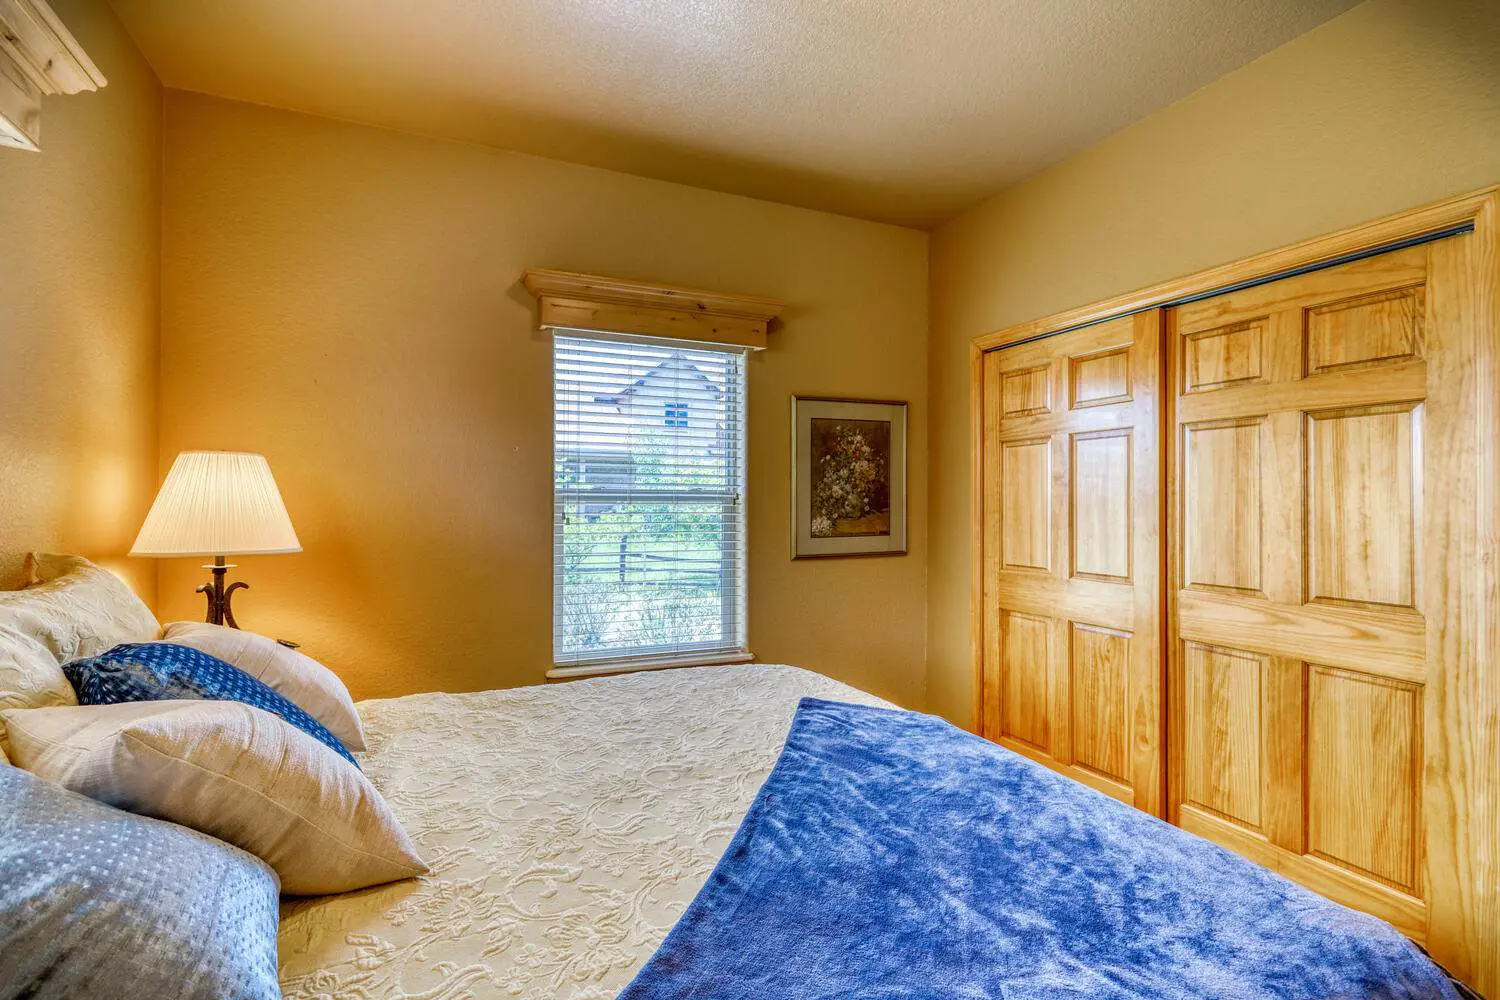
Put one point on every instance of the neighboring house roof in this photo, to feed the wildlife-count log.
(677, 362)
(590, 425)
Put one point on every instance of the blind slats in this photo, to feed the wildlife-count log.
(648, 505)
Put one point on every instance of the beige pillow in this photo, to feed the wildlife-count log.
(299, 678)
(75, 608)
(29, 675)
(233, 772)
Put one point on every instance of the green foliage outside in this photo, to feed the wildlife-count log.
(646, 573)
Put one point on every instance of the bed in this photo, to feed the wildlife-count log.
(710, 832)
(564, 849)
(842, 848)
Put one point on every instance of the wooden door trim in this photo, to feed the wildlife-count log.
(976, 512)
(1468, 210)
(1487, 715)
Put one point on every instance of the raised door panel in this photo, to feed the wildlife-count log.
(1224, 356)
(1026, 504)
(1385, 326)
(1223, 732)
(1025, 663)
(1221, 510)
(1363, 505)
(1026, 392)
(1100, 506)
(1100, 674)
(1363, 775)
(1071, 625)
(1100, 378)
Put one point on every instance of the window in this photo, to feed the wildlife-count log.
(649, 512)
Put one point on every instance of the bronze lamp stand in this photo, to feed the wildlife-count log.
(219, 612)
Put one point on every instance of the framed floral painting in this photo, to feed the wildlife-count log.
(848, 477)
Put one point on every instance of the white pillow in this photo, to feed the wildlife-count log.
(298, 678)
(75, 608)
(29, 675)
(229, 770)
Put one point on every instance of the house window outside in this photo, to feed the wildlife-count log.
(649, 512)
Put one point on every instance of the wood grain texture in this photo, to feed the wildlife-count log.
(1283, 504)
(1370, 278)
(1100, 602)
(1461, 514)
(1329, 446)
(1478, 279)
(1221, 504)
(1100, 674)
(1026, 391)
(1100, 507)
(1362, 522)
(1283, 739)
(1408, 914)
(1223, 753)
(617, 305)
(1363, 765)
(1025, 659)
(1227, 355)
(986, 609)
(1098, 379)
(1075, 511)
(1026, 504)
(1383, 644)
(1380, 327)
(607, 317)
(1347, 388)
(1099, 782)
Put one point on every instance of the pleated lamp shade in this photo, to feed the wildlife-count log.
(217, 503)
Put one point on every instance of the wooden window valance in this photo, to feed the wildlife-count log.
(617, 305)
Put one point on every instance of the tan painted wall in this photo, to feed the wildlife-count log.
(346, 300)
(80, 259)
(1393, 104)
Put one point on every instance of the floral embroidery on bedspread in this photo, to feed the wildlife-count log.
(567, 826)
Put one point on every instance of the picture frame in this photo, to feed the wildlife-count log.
(848, 484)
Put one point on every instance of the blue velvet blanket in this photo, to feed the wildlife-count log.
(890, 854)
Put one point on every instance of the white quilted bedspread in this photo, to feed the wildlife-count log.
(567, 827)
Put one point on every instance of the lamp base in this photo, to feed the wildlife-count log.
(218, 595)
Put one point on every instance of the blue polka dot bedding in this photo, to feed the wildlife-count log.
(159, 671)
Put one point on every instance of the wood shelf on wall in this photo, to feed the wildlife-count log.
(572, 301)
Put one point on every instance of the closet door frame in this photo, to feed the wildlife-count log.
(1462, 709)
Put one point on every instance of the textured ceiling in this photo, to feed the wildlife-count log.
(905, 111)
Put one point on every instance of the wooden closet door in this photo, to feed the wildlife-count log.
(1302, 569)
(1071, 472)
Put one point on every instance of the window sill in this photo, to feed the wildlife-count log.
(645, 663)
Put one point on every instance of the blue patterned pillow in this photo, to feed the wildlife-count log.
(158, 671)
(100, 903)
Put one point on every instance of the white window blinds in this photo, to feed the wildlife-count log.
(649, 510)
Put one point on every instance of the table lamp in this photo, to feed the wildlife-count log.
(217, 503)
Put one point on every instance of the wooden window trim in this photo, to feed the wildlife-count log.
(618, 305)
